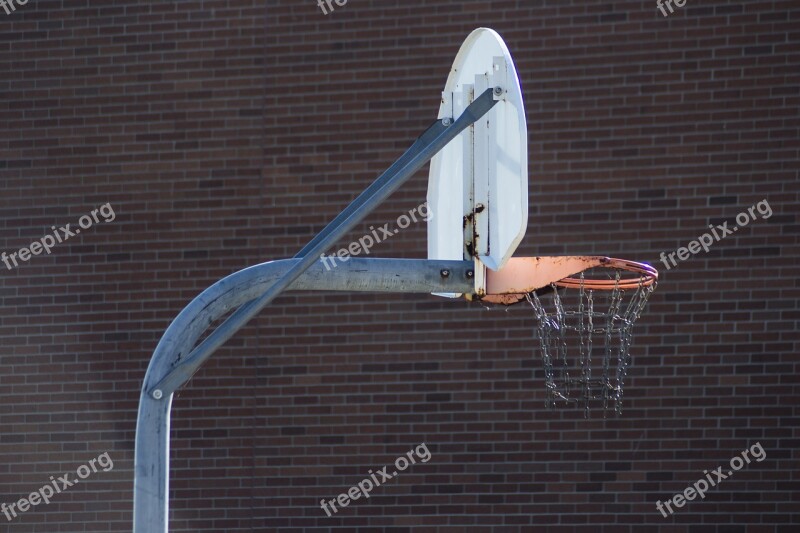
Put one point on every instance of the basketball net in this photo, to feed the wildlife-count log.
(585, 336)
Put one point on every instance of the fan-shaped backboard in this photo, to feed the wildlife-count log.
(478, 184)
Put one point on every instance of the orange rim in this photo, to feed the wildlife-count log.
(647, 276)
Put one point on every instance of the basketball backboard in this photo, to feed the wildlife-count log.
(478, 184)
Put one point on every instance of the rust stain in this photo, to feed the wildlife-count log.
(467, 220)
(503, 299)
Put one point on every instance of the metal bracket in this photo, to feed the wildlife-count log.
(169, 370)
(433, 140)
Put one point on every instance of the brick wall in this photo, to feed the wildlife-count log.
(228, 133)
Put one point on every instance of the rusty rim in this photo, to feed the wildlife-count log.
(647, 275)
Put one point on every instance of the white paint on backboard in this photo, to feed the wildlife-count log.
(478, 184)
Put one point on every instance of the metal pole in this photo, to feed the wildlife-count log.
(151, 469)
(334, 232)
(174, 361)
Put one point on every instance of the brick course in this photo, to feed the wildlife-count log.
(228, 133)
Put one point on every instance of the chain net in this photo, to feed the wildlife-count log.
(585, 336)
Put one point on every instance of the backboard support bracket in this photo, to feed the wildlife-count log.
(176, 359)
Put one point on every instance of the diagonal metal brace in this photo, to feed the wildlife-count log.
(435, 129)
(383, 187)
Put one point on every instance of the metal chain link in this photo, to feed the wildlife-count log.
(574, 319)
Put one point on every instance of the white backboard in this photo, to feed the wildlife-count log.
(478, 184)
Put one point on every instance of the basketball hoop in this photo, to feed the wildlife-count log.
(478, 188)
(586, 330)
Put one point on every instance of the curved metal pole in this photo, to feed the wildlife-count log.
(151, 468)
(247, 292)
(383, 187)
